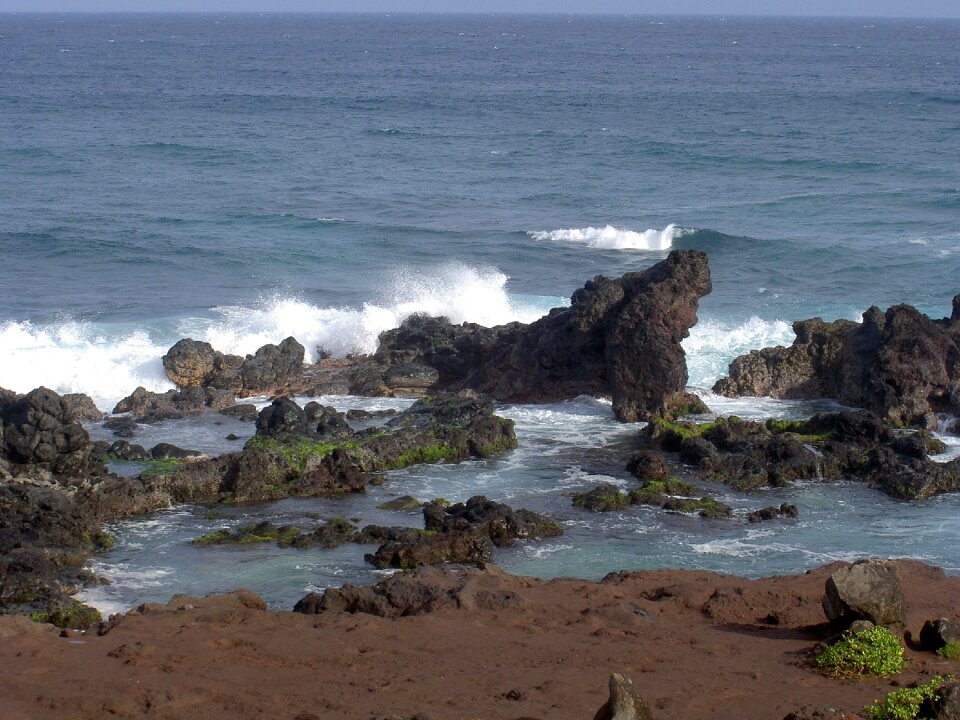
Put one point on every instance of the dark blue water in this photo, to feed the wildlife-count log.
(241, 178)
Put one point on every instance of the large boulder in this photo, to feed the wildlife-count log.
(936, 633)
(189, 363)
(619, 337)
(272, 370)
(39, 428)
(900, 364)
(866, 590)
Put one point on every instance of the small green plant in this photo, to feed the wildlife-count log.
(875, 652)
(951, 651)
(904, 704)
(75, 617)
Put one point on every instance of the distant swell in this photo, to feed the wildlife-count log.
(612, 238)
(108, 363)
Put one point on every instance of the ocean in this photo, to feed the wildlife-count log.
(241, 178)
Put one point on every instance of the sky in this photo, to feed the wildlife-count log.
(861, 8)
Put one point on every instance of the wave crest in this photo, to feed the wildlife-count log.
(459, 292)
(109, 362)
(613, 238)
(712, 345)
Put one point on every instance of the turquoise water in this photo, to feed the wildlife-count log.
(241, 178)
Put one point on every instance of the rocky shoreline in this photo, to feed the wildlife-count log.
(619, 339)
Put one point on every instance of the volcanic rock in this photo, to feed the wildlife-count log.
(40, 429)
(936, 633)
(272, 370)
(900, 364)
(618, 337)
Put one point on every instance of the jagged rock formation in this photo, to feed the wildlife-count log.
(900, 364)
(619, 337)
(829, 446)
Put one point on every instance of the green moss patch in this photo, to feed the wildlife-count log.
(283, 535)
(76, 617)
(602, 499)
(803, 428)
(296, 450)
(426, 454)
(155, 468)
(405, 502)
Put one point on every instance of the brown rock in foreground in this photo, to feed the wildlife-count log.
(696, 645)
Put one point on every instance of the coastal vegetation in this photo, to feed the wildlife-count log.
(873, 652)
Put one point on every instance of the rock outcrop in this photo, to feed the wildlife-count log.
(150, 407)
(39, 429)
(421, 591)
(272, 370)
(625, 702)
(900, 364)
(866, 590)
(54, 493)
(829, 446)
(619, 337)
(296, 455)
(463, 533)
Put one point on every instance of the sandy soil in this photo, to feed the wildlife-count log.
(697, 645)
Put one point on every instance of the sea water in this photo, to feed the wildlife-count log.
(242, 178)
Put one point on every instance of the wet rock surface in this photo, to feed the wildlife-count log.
(272, 370)
(829, 446)
(294, 455)
(899, 364)
(619, 337)
(463, 533)
(54, 493)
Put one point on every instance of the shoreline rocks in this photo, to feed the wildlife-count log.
(272, 370)
(55, 492)
(618, 338)
(294, 455)
(829, 446)
(900, 364)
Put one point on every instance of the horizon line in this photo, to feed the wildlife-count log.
(489, 13)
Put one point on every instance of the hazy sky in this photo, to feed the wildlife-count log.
(866, 8)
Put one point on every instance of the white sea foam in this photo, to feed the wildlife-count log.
(109, 363)
(712, 345)
(79, 357)
(459, 292)
(613, 238)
